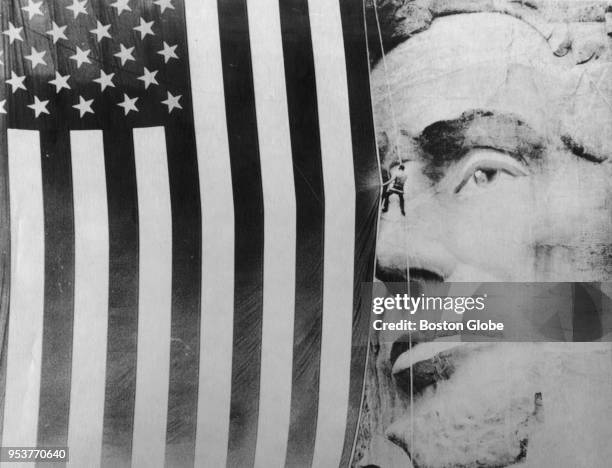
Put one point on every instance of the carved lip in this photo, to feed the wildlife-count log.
(424, 351)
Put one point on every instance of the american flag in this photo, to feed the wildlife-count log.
(188, 209)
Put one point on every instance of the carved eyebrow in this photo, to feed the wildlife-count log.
(449, 140)
(582, 151)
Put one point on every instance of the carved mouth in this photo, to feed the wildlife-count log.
(423, 364)
(417, 371)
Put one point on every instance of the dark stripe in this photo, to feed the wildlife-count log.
(123, 297)
(56, 363)
(249, 232)
(11, 62)
(366, 209)
(186, 286)
(5, 261)
(310, 211)
(186, 251)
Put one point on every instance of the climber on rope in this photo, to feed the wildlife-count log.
(395, 185)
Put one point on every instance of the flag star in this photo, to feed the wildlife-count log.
(121, 6)
(172, 102)
(2, 109)
(145, 28)
(101, 31)
(60, 82)
(148, 78)
(84, 106)
(168, 52)
(33, 9)
(125, 54)
(36, 58)
(163, 4)
(128, 104)
(13, 33)
(81, 56)
(16, 82)
(57, 32)
(39, 107)
(105, 80)
(78, 7)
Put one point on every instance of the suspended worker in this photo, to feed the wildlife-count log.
(395, 185)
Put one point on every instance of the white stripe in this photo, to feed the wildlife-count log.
(154, 297)
(27, 290)
(217, 233)
(339, 183)
(91, 244)
(280, 233)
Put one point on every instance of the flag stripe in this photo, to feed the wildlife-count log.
(217, 237)
(186, 235)
(90, 298)
(5, 262)
(186, 283)
(249, 234)
(154, 297)
(310, 199)
(280, 233)
(123, 297)
(27, 290)
(186, 248)
(55, 379)
(367, 184)
(339, 181)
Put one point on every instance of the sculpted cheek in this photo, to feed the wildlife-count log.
(573, 226)
(492, 231)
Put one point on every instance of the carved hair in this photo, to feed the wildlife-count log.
(402, 19)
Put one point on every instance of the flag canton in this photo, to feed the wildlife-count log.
(87, 64)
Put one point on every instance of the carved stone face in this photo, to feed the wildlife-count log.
(503, 143)
(507, 150)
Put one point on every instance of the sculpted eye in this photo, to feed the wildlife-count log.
(484, 176)
(486, 168)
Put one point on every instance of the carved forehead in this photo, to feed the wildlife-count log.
(496, 62)
(477, 61)
(460, 41)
